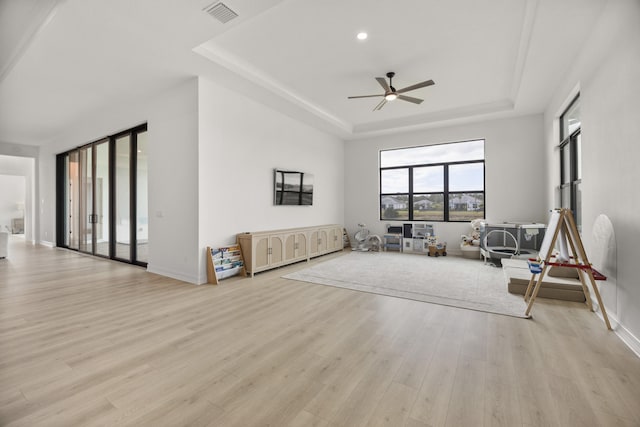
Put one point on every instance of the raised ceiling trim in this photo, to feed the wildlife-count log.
(42, 18)
(499, 106)
(246, 71)
(528, 22)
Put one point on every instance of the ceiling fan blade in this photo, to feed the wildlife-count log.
(383, 83)
(380, 105)
(410, 99)
(416, 86)
(362, 96)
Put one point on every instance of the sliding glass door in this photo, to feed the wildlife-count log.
(123, 198)
(71, 201)
(86, 199)
(102, 197)
(142, 199)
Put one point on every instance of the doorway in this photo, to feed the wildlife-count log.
(17, 195)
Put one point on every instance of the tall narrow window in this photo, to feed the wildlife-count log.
(571, 161)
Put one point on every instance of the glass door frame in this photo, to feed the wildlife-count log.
(86, 185)
(96, 219)
(133, 194)
(62, 210)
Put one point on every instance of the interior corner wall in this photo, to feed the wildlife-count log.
(240, 143)
(173, 177)
(607, 71)
(515, 174)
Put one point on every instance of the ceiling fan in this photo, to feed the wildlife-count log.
(391, 94)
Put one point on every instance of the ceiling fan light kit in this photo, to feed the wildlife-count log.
(391, 94)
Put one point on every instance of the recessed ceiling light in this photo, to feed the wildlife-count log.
(362, 36)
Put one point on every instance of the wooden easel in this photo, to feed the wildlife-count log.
(562, 229)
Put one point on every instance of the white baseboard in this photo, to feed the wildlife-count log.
(623, 333)
(174, 275)
(629, 339)
(46, 243)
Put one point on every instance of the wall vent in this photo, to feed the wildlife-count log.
(221, 12)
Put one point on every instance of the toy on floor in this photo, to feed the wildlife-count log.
(365, 241)
(436, 249)
(473, 238)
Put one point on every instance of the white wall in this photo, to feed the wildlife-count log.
(173, 183)
(211, 156)
(241, 142)
(515, 173)
(607, 71)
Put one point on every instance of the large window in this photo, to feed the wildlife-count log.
(443, 182)
(570, 161)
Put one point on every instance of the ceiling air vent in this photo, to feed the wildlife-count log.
(221, 12)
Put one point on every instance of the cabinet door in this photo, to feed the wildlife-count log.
(260, 252)
(313, 243)
(276, 246)
(322, 241)
(328, 237)
(334, 239)
(407, 245)
(302, 251)
(339, 238)
(290, 246)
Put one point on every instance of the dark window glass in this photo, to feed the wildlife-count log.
(571, 160)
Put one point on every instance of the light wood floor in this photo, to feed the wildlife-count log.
(85, 341)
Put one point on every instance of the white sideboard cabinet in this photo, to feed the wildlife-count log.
(263, 250)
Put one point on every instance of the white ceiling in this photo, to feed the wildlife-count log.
(61, 61)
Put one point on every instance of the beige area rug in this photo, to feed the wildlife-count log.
(452, 281)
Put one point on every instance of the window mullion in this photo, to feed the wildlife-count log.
(410, 198)
(446, 193)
